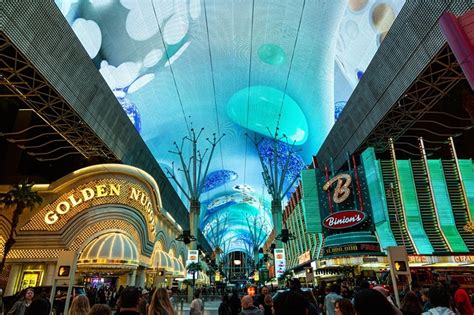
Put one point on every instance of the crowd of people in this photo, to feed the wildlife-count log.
(335, 299)
(129, 301)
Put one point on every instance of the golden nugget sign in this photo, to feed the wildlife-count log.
(342, 191)
(89, 194)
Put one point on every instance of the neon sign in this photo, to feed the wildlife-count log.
(342, 191)
(103, 191)
(344, 219)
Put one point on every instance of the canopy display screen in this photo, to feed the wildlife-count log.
(233, 67)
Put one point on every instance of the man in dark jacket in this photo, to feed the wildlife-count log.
(128, 301)
(235, 303)
(248, 307)
(260, 299)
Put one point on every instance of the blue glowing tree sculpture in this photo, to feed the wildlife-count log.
(214, 230)
(194, 175)
(258, 229)
(281, 167)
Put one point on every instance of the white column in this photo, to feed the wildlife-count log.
(140, 278)
(131, 277)
(49, 274)
(12, 279)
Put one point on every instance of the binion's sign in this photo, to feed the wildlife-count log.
(343, 219)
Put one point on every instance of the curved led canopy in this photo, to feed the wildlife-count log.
(167, 61)
(258, 108)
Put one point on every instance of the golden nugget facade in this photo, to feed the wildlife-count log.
(111, 216)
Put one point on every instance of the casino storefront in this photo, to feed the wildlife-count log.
(111, 217)
(337, 208)
(343, 222)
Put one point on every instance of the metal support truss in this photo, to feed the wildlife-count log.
(22, 80)
(434, 83)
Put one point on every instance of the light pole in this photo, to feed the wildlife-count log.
(194, 175)
(281, 167)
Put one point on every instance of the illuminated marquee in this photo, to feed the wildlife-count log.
(344, 219)
(342, 191)
(107, 193)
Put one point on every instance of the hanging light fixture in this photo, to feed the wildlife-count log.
(285, 236)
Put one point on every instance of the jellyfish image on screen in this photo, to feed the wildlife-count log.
(218, 178)
(338, 108)
(132, 112)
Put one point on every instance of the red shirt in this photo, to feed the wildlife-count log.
(461, 297)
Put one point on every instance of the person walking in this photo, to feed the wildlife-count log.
(259, 300)
(80, 306)
(248, 308)
(39, 306)
(128, 301)
(371, 302)
(411, 304)
(197, 305)
(235, 303)
(461, 298)
(425, 299)
(224, 307)
(331, 298)
(160, 303)
(19, 308)
(440, 301)
(344, 307)
(144, 302)
(268, 305)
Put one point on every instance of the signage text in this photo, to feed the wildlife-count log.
(343, 219)
(91, 193)
(342, 191)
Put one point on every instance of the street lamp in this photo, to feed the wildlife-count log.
(285, 236)
(195, 176)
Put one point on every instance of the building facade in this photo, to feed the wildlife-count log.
(111, 217)
(344, 222)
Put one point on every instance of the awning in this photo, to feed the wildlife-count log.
(111, 250)
(178, 267)
(202, 278)
(163, 261)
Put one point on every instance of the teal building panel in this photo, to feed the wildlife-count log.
(310, 204)
(444, 208)
(412, 209)
(380, 217)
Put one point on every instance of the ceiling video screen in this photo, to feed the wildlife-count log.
(247, 69)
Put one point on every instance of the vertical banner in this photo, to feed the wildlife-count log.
(280, 262)
(193, 257)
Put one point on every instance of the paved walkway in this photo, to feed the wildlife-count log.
(210, 308)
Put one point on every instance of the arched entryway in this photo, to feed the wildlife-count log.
(109, 215)
(108, 261)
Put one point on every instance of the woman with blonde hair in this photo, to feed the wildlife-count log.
(160, 303)
(79, 306)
